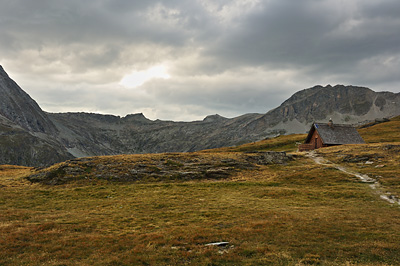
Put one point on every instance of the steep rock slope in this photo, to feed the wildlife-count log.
(27, 135)
(17, 106)
(20, 147)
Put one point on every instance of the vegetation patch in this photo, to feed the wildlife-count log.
(382, 132)
(157, 167)
(281, 144)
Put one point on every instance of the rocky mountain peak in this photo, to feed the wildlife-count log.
(139, 117)
(3, 72)
(345, 104)
(214, 118)
(17, 106)
(328, 92)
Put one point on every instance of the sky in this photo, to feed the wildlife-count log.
(182, 60)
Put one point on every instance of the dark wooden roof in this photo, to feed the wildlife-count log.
(336, 134)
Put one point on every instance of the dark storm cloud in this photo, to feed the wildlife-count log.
(312, 33)
(227, 57)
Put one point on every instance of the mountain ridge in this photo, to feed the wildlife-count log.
(81, 134)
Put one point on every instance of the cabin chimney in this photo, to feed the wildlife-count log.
(330, 123)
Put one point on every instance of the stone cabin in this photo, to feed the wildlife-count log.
(329, 134)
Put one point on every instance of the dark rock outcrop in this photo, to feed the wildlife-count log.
(270, 157)
(168, 167)
(20, 147)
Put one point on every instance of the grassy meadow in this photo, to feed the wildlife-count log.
(298, 213)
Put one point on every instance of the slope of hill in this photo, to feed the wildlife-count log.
(388, 131)
(293, 212)
(20, 147)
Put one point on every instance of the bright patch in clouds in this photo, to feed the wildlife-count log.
(138, 78)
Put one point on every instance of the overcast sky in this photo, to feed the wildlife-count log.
(185, 59)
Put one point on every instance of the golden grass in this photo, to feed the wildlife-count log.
(294, 214)
(380, 161)
(298, 214)
(14, 176)
(281, 143)
(384, 132)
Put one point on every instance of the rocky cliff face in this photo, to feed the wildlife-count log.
(93, 134)
(27, 135)
(30, 136)
(17, 106)
(19, 146)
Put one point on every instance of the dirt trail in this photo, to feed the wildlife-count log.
(374, 184)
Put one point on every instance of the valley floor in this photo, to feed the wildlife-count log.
(300, 213)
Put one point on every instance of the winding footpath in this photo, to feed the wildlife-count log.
(374, 184)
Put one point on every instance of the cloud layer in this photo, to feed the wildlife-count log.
(227, 57)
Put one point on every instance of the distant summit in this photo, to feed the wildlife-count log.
(137, 118)
(32, 137)
(344, 104)
(214, 118)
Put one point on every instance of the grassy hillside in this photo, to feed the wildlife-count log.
(383, 132)
(293, 212)
(380, 161)
(281, 143)
(378, 133)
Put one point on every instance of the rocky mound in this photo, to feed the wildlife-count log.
(157, 167)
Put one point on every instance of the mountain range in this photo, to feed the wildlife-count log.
(32, 137)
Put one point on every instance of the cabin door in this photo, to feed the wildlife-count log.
(316, 143)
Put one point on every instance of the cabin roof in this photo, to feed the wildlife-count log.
(335, 134)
